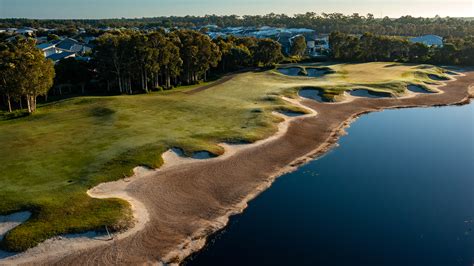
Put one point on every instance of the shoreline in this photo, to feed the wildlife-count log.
(195, 238)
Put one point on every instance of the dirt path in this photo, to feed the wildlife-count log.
(213, 84)
(188, 202)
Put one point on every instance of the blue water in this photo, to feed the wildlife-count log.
(399, 190)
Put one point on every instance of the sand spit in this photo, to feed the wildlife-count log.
(186, 201)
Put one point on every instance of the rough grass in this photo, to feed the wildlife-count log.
(50, 159)
(392, 78)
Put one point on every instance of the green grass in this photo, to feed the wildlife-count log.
(50, 159)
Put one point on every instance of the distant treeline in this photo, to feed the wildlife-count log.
(322, 23)
(370, 47)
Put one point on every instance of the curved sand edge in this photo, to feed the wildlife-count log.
(70, 243)
(198, 238)
(59, 246)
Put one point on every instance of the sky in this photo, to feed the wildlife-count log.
(64, 9)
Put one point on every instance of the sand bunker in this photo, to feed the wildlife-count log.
(190, 201)
(418, 89)
(438, 78)
(313, 94)
(313, 72)
(291, 113)
(199, 155)
(8, 222)
(291, 71)
(369, 94)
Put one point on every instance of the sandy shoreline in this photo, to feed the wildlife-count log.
(180, 204)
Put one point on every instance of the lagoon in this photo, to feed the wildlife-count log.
(399, 190)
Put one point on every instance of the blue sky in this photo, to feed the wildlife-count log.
(150, 8)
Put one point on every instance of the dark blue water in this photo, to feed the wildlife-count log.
(398, 191)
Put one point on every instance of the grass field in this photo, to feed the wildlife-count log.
(50, 159)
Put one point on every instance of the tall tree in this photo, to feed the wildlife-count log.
(298, 46)
(8, 86)
(30, 74)
(268, 52)
(74, 72)
(198, 53)
(112, 55)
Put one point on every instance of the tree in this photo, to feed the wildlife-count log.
(239, 56)
(170, 60)
(141, 58)
(37, 73)
(112, 55)
(7, 74)
(298, 46)
(225, 46)
(53, 37)
(30, 74)
(72, 71)
(198, 53)
(446, 54)
(268, 52)
(419, 53)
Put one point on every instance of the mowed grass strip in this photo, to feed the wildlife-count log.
(50, 159)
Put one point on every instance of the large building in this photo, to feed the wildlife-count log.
(429, 40)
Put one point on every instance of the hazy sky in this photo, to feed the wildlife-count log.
(150, 8)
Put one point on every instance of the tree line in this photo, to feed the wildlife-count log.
(370, 47)
(322, 23)
(129, 62)
(160, 60)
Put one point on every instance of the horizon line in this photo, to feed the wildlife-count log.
(239, 16)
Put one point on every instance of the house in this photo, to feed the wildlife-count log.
(285, 44)
(40, 40)
(62, 49)
(71, 45)
(48, 48)
(315, 46)
(311, 46)
(88, 39)
(429, 40)
(14, 38)
(26, 31)
(321, 46)
(60, 56)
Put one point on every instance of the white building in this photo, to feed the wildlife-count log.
(429, 40)
(48, 48)
(317, 46)
(26, 31)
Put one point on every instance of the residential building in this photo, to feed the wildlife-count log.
(60, 56)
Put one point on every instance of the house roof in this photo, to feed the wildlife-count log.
(45, 46)
(59, 56)
(67, 44)
(428, 40)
